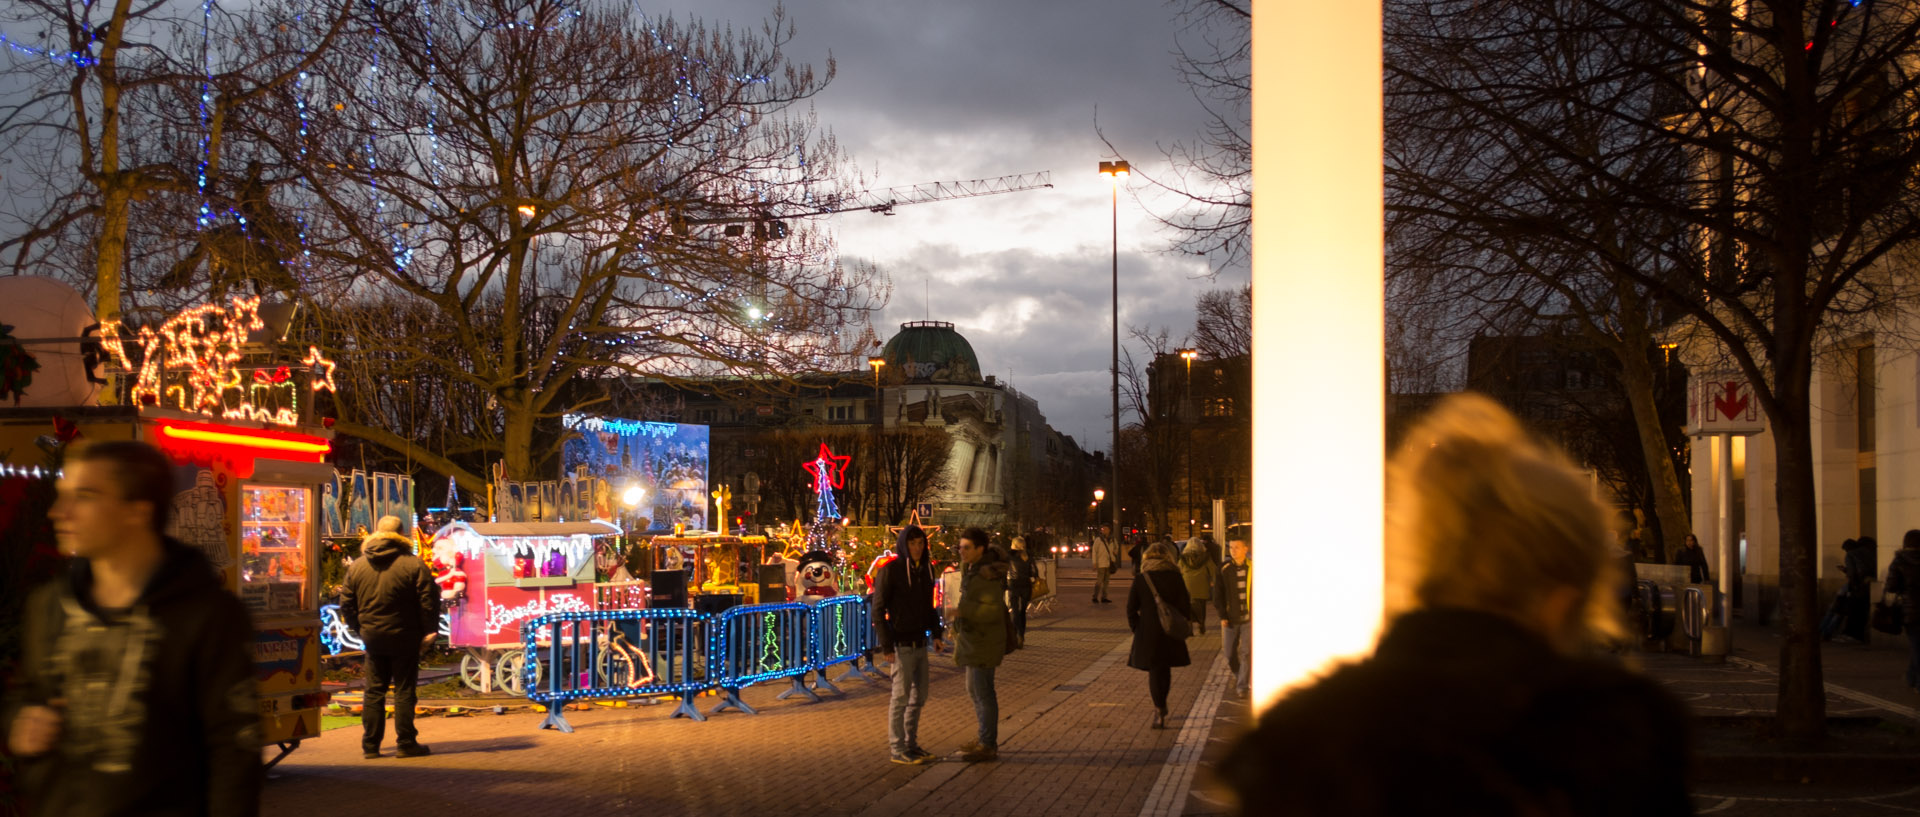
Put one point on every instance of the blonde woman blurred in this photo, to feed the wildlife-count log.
(1483, 696)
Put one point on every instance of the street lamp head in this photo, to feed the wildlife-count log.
(1115, 169)
(527, 210)
(1189, 355)
(1099, 494)
(876, 362)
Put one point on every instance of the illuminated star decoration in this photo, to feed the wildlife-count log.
(205, 343)
(829, 471)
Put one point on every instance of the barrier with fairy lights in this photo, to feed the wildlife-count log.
(618, 654)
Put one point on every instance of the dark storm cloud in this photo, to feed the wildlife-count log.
(936, 90)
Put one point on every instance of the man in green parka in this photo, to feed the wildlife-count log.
(980, 640)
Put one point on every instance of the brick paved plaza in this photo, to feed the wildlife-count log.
(1074, 740)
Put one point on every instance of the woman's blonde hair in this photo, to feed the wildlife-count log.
(1483, 515)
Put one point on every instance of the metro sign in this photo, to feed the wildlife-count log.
(1722, 403)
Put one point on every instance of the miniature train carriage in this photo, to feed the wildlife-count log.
(515, 570)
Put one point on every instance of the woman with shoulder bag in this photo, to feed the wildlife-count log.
(1903, 578)
(1154, 649)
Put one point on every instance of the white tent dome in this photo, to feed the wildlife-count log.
(47, 316)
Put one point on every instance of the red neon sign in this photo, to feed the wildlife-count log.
(205, 442)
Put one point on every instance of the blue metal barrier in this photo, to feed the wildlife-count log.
(761, 642)
(605, 654)
(846, 636)
(615, 654)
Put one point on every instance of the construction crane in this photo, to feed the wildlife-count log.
(878, 201)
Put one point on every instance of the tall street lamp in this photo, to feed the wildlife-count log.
(1188, 355)
(879, 438)
(1116, 170)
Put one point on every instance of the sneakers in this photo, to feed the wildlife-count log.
(981, 754)
(915, 756)
(920, 755)
(373, 754)
(416, 750)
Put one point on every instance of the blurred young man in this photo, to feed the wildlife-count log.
(136, 686)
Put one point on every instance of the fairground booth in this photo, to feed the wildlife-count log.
(237, 423)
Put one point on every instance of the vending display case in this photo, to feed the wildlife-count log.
(276, 547)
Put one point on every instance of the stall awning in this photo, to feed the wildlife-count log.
(495, 530)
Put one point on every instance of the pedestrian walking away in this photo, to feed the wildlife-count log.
(1106, 559)
(135, 690)
(1020, 575)
(1199, 573)
(390, 599)
(1482, 696)
(980, 638)
(904, 621)
(1903, 579)
(1154, 649)
(1232, 594)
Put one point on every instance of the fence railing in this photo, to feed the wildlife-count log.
(607, 654)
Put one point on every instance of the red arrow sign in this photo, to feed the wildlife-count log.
(1734, 403)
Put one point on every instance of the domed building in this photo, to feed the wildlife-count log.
(1003, 463)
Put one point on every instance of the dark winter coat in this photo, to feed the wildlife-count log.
(1152, 647)
(389, 596)
(1020, 570)
(1859, 564)
(1226, 593)
(1462, 712)
(1695, 558)
(903, 598)
(185, 739)
(980, 622)
(1903, 577)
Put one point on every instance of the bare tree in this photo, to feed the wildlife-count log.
(1745, 165)
(558, 193)
(117, 119)
(910, 464)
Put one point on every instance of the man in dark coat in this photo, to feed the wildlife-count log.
(390, 599)
(1230, 593)
(903, 622)
(135, 692)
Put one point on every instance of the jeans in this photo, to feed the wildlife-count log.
(986, 705)
(1913, 656)
(402, 671)
(1237, 641)
(1159, 683)
(909, 695)
(1100, 575)
(1017, 599)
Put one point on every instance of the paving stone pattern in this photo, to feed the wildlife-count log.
(1075, 739)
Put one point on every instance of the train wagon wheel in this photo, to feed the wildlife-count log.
(471, 668)
(512, 672)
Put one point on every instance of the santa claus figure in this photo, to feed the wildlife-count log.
(450, 572)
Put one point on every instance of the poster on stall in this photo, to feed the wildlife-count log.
(668, 461)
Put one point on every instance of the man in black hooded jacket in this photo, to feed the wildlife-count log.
(390, 599)
(903, 621)
(135, 693)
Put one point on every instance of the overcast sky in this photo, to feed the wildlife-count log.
(942, 90)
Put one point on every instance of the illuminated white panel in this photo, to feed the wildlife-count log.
(1318, 343)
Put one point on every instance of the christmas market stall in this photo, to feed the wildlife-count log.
(515, 571)
(205, 388)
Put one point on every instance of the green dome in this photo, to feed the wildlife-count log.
(931, 352)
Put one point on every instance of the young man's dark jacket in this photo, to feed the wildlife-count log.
(179, 734)
(903, 598)
(1903, 577)
(1226, 592)
(389, 596)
